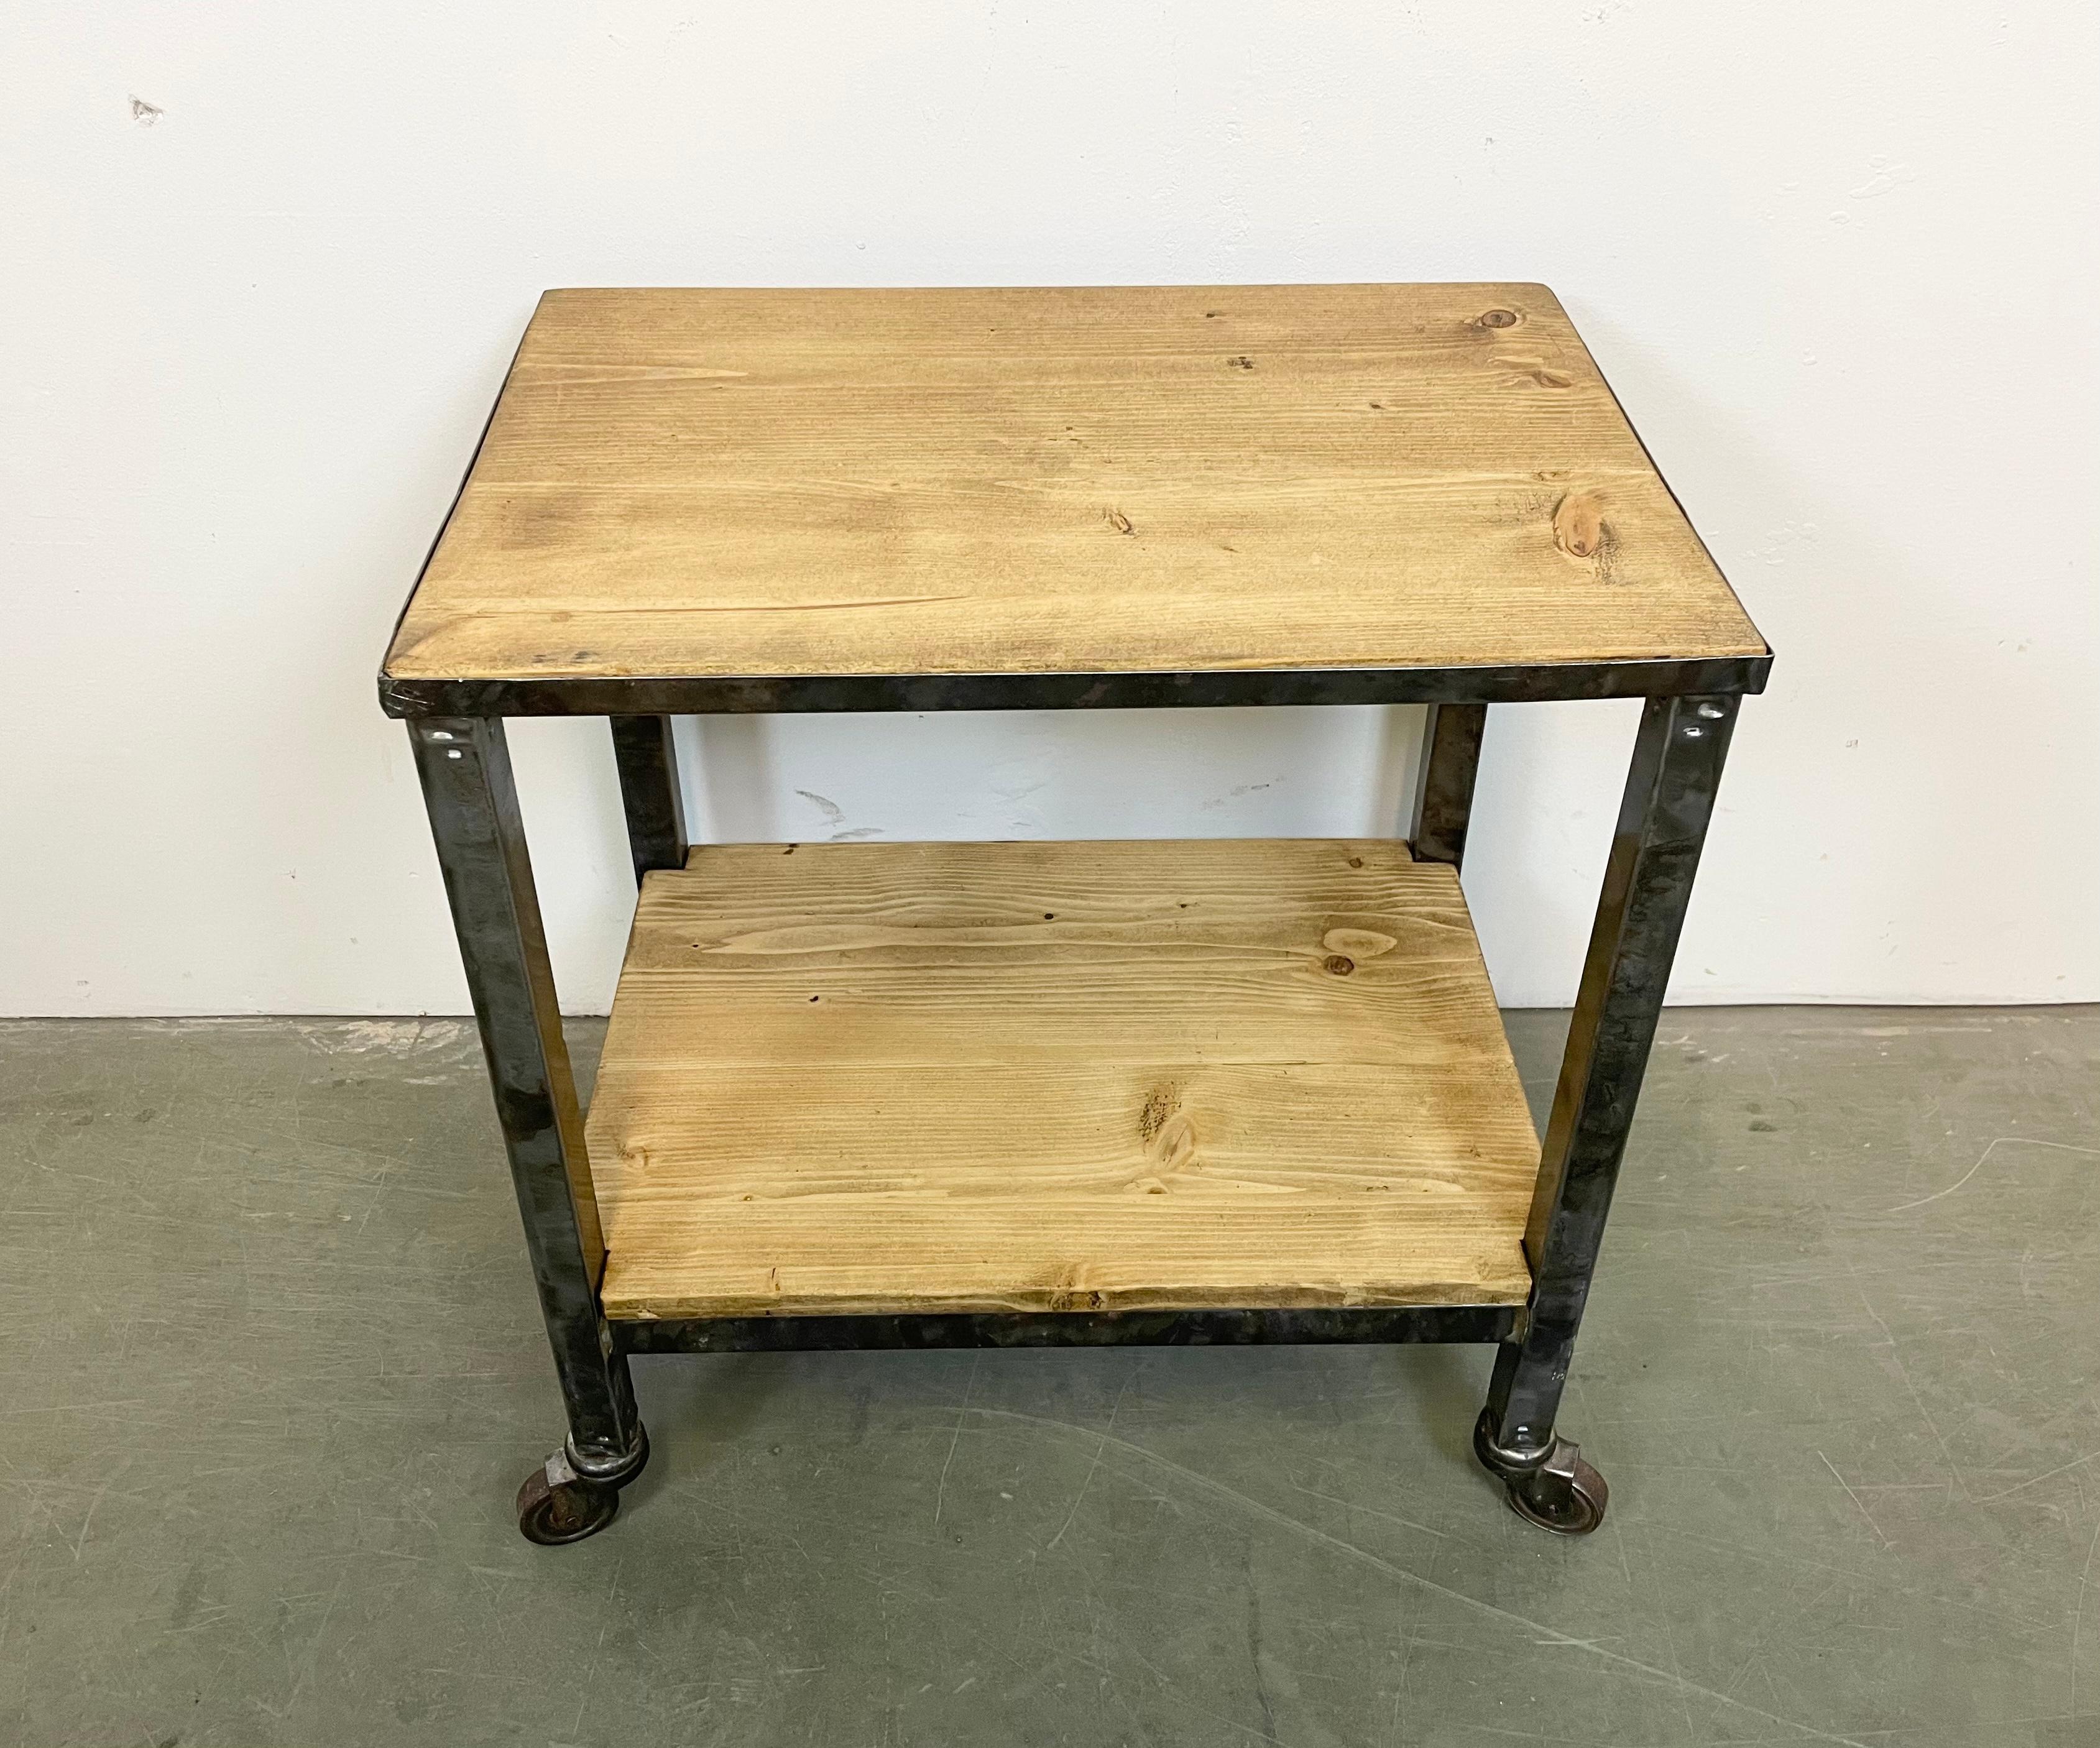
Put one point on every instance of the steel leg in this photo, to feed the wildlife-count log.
(649, 786)
(1444, 781)
(465, 765)
(1662, 824)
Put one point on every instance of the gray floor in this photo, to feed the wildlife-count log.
(272, 1372)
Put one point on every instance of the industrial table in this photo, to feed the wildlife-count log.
(878, 1095)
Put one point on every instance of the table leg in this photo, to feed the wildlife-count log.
(465, 765)
(1444, 781)
(649, 786)
(1676, 769)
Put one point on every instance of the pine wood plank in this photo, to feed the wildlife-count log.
(763, 484)
(976, 1077)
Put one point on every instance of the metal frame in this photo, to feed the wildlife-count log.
(1070, 1329)
(1676, 769)
(779, 694)
(458, 732)
(648, 760)
(465, 765)
(1451, 736)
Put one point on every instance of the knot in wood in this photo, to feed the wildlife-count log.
(1579, 528)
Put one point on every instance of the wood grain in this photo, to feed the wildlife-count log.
(977, 1077)
(715, 483)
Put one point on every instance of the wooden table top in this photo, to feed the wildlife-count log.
(701, 483)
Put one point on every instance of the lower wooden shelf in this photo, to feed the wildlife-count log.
(896, 1078)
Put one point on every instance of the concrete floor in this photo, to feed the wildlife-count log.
(272, 1372)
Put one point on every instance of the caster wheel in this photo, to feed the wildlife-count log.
(1562, 1493)
(1566, 1496)
(556, 1505)
(553, 1513)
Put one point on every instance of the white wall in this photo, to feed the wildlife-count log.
(1838, 261)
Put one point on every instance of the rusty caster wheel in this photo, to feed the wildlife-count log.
(1565, 1495)
(556, 1505)
(554, 1512)
(1562, 1493)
